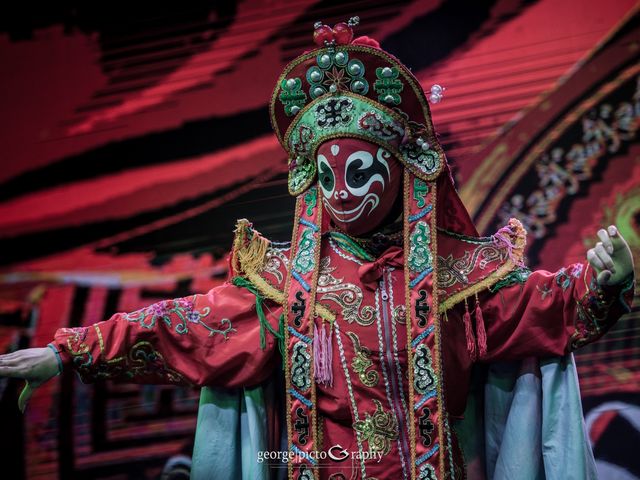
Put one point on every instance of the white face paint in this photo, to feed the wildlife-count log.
(359, 182)
(361, 172)
(347, 216)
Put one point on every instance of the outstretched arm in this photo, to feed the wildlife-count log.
(218, 338)
(35, 365)
(554, 313)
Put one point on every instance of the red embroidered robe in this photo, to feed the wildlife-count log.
(217, 339)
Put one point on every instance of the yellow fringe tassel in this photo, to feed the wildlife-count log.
(249, 249)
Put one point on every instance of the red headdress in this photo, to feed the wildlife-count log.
(353, 88)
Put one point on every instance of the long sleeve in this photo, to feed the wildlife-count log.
(211, 339)
(551, 313)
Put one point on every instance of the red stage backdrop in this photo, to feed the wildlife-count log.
(135, 133)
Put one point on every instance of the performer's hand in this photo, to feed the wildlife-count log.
(35, 365)
(611, 257)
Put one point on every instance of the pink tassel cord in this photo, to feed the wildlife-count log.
(329, 364)
(317, 360)
(481, 333)
(502, 238)
(468, 331)
(322, 355)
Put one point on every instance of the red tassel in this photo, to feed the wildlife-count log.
(468, 331)
(480, 331)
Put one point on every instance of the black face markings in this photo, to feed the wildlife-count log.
(327, 177)
(362, 167)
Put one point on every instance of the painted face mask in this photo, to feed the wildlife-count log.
(360, 183)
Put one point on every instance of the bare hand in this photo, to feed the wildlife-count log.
(611, 257)
(35, 365)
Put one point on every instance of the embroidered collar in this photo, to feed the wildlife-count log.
(368, 249)
(350, 246)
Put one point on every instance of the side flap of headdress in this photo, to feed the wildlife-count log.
(469, 265)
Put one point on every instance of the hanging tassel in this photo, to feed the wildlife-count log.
(249, 249)
(329, 364)
(281, 345)
(480, 330)
(322, 355)
(317, 354)
(468, 331)
(262, 318)
(254, 254)
(512, 238)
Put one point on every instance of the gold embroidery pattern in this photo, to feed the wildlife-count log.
(362, 361)
(379, 430)
(77, 347)
(143, 360)
(274, 262)
(347, 295)
(456, 270)
(399, 314)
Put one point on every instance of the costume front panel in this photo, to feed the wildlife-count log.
(366, 409)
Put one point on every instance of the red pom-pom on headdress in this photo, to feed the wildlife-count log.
(366, 41)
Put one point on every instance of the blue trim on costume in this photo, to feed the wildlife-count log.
(58, 359)
(301, 336)
(420, 214)
(304, 455)
(420, 277)
(307, 223)
(425, 397)
(300, 397)
(422, 336)
(428, 455)
(300, 280)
